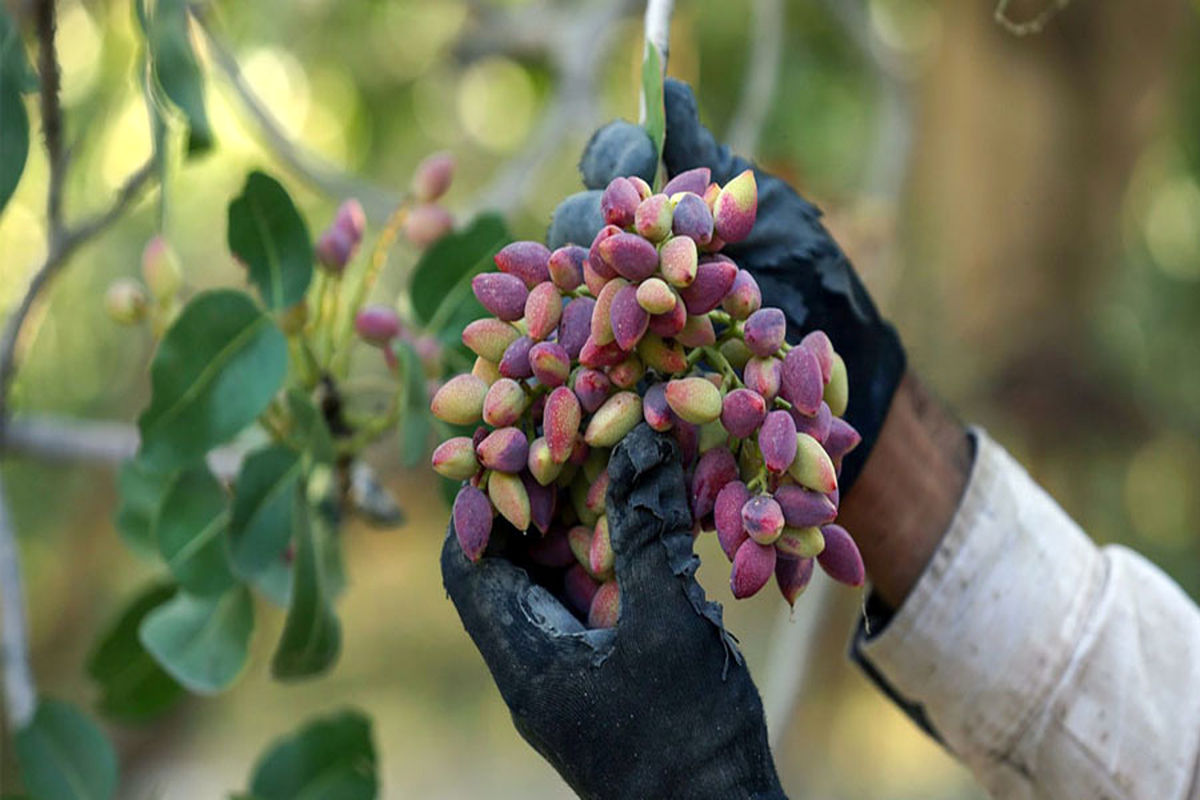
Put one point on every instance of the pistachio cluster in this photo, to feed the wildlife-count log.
(650, 323)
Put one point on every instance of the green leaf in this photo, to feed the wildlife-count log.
(269, 237)
(275, 582)
(14, 137)
(441, 281)
(191, 527)
(14, 65)
(15, 77)
(262, 508)
(312, 635)
(414, 420)
(331, 758)
(202, 642)
(327, 515)
(312, 434)
(62, 755)
(141, 489)
(216, 369)
(133, 688)
(652, 91)
(174, 66)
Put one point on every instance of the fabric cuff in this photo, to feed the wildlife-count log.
(988, 629)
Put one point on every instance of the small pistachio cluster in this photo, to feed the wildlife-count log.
(651, 323)
(130, 301)
(425, 221)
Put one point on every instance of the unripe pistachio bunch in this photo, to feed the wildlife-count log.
(649, 322)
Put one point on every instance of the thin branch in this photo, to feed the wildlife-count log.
(658, 26)
(579, 44)
(377, 201)
(99, 222)
(66, 243)
(52, 127)
(60, 440)
(20, 694)
(526, 31)
(63, 440)
(762, 76)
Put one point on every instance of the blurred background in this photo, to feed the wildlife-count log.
(1026, 209)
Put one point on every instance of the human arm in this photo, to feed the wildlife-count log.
(1051, 667)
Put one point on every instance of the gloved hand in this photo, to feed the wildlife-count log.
(660, 706)
(798, 266)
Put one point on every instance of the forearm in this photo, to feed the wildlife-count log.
(908, 491)
(1050, 667)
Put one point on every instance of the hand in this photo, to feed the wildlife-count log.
(659, 706)
(798, 266)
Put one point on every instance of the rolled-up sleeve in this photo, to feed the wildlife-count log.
(1051, 667)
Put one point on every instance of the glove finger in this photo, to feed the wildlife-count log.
(650, 526)
(688, 143)
(788, 226)
(619, 149)
(576, 220)
(517, 625)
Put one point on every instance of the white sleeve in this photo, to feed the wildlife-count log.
(1050, 667)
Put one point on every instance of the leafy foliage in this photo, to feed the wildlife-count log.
(14, 122)
(141, 489)
(173, 64)
(215, 371)
(441, 281)
(133, 688)
(312, 635)
(328, 759)
(262, 511)
(64, 756)
(190, 528)
(269, 237)
(202, 642)
(310, 434)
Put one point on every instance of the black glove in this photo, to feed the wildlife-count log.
(798, 266)
(660, 706)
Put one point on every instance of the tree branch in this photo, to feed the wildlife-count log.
(61, 249)
(762, 75)
(577, 44)
(45, 24)
(20, 694)
(658, 26)
(377, 201)
(63, 440)
(69, 441)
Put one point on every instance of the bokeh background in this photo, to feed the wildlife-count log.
(1026, 209)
